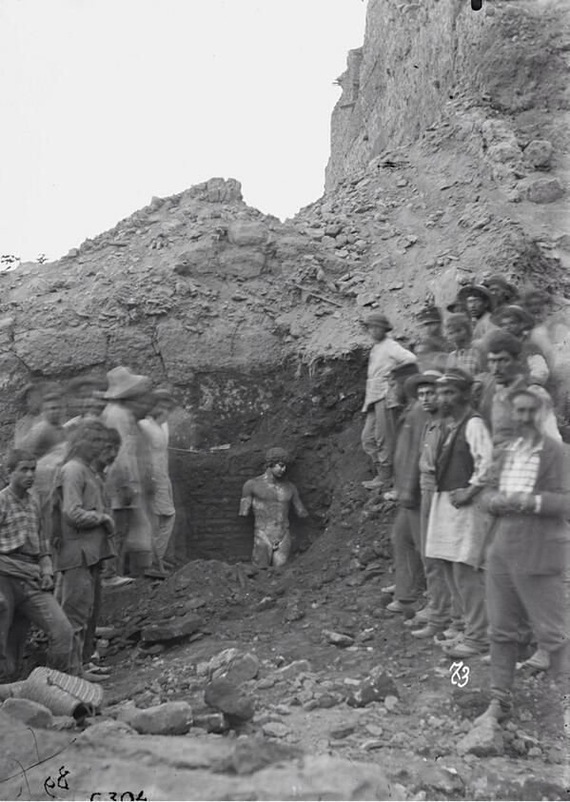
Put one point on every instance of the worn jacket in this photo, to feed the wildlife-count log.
(537, 543)
(78, 506)
(409, 430)
(125, 479)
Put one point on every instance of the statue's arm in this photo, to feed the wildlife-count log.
(298, 505)
(246, 498)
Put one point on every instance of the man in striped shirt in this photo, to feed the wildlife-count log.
(26, 573)
(526, 562)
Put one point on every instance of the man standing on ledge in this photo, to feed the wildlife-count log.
(270, 496)
(378, 435)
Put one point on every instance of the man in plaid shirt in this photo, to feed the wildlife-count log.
(26, 574)
(465, 355)
(526, 561)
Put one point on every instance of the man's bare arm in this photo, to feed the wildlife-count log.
(246, 498)
(298, 505)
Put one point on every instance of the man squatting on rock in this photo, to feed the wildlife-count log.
(270, 497)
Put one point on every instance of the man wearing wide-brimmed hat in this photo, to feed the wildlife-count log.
(430, 321)
(458, 525)
(127, 480)
(476, 301)
(431, 348)
(385, 355)
(155, 428)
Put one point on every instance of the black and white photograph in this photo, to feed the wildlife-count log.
(284, 400)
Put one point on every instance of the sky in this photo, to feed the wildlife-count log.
(107, 103)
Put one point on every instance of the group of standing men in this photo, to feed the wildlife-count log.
(88, 505)
(463, 434)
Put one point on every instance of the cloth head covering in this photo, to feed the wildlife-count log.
(378, 319)
(276, 454)
(123, 384)
(512, 310)
(413, 383)
(459, 318)
(460, 378)
(429, 314)
(503, 341)
(527, 391)
(457, 306)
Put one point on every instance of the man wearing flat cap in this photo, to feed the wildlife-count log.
(128, 480)
(377, 434)
(270, 496)
(458, 526)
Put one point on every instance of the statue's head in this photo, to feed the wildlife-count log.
(277, 460)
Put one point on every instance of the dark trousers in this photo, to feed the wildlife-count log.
(78, 592)
(514, 599)
(407, 558)
(24, 601)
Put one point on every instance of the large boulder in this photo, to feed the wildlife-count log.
(170, 718)
(227, 697)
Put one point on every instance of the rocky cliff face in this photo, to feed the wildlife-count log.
(449, 159)
(422, 62)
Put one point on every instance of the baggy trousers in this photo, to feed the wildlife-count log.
(78, 591)
(439, 594)
(513, 599)
(467, 585)
(163, 528)
(25, 599)
(406, 542)
(379, 438)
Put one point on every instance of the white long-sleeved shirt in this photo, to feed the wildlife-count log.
(384, 357)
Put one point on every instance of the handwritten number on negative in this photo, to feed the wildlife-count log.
(460, 674)
(49, 784)
(114, 796)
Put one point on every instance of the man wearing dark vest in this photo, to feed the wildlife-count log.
(458, 525)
